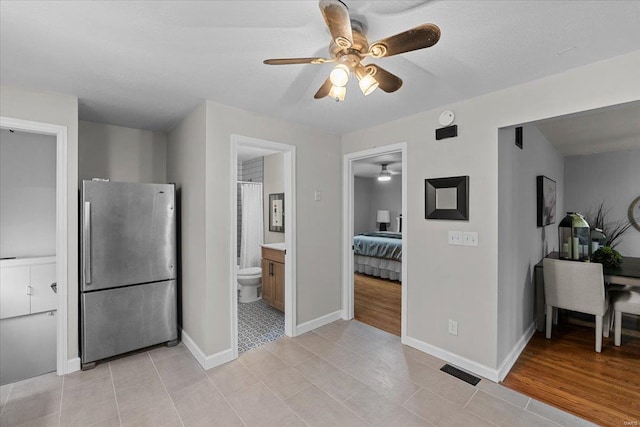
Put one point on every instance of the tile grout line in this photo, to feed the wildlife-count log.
(165, 389)
(474, 393)
(115, 395)
(4, 405)
(412, 394)
(225, 399)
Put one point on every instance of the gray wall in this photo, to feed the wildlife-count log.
(186, 167)
(47, 107)
(386, 196)
(27, 194)
(461, 283)
(198, 160)
(371, 195)
(521, 243)
(362, 205)
(273, 183)
(121, 154)
(612, 178)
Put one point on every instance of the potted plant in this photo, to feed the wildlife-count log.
(607, 256)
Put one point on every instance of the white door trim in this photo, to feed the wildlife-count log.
(60, 133)
(289, 234)
(347, 227)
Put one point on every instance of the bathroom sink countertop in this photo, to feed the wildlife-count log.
(276, 246)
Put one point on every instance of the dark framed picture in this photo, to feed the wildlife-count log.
(276, 212)
(447, 198)
(546, 197)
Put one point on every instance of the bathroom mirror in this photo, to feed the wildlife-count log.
(276, 212)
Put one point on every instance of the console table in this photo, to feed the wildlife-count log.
(627, 274)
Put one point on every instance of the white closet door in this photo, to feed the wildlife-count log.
(43, 298)
(14, 298)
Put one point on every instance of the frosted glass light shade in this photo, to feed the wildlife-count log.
(383, 216)
(338, 92)
(368, 84)
(339, 75)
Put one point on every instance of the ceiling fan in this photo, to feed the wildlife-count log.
(349, 46)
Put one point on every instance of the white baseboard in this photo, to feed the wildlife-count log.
(73, 365)
(454, 359)
(316, 323)
(207, 362)
(514, 354)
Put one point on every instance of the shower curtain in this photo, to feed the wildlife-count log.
(252, 229)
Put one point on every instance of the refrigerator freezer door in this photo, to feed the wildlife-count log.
(116, 321)
(128, 234)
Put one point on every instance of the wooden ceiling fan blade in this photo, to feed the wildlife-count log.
(324, 89)
(288, 61)
(420, 37)
(387, 82)
(336, 16)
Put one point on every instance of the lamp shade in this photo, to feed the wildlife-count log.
(383, 216)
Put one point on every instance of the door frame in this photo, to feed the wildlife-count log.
(289, 151)
(60, 132)
(347, 227)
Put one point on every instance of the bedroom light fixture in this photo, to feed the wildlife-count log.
(367, 83)
(338, 92)
(383, 217)
(384, 174)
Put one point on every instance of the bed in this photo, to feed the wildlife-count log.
(378, 254)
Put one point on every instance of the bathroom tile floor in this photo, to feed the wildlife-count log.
(342, 374)
(258, 323)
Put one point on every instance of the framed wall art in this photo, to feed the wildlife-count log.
(276, 212)
(447, 198)
(546, 199)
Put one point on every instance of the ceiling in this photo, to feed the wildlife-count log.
(148, 64)
(370, 167)
(597, 131)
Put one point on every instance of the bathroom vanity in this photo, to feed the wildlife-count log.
(273, 274)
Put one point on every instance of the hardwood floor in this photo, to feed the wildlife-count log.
(567, 373)
(378, 302)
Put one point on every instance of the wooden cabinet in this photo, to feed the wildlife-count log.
(273, 277)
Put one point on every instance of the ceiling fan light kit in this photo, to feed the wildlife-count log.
(349, 46)
(384, 174)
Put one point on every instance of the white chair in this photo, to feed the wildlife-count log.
(624, 301)
(576, 286)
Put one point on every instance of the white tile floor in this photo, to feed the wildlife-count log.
(343, 374)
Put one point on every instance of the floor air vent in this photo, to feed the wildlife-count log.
(466, 377)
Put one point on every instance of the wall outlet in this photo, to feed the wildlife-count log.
(455, 238)
(470, 238)
(453, 327)
(316, 196)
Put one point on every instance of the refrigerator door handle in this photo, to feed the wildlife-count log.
(86, 233)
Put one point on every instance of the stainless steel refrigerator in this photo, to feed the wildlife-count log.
(128, 288)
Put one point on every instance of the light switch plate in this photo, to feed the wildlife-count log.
(470, 238)
(316, 196)
(455, 238)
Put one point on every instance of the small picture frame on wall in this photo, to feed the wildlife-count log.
(447, 198)
(546, 200)
(276, 212)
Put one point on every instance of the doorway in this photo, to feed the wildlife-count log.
(44, 303)
(375, 237)
(262, 242)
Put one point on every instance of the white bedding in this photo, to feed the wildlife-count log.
(379, 267)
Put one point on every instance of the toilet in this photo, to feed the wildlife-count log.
(249, 284)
